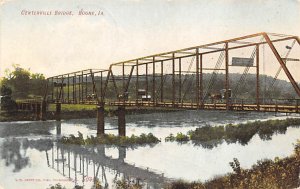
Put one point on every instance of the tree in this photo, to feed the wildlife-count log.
(5, 91)
(6, 101)
(23, 83)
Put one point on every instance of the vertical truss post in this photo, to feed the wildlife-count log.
(74, 85)
(57, 94)
(61, 90)
(153, 81)
(86, 85)
(52, 90)
(197, 78)
(94, 86)
(101, 85)
(173, 80)
(226, 76)
(137, 81)
(201, 80)
(279, 59)
(79, 89)
(147, 81)
(68, 88)
(161, 81)
(257, 79)
(82, 91)
(106, 84)
(179, 87)
(123, 77)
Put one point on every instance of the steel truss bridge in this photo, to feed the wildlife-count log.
(186, 79)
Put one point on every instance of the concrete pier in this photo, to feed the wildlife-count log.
(121, 121)
(37, 111)
(100, 120)
(58, 112)
(44, 110)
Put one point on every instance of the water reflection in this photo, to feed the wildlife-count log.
(242, 136)
(26, 128)
(82, 166)
(58, 127)
(12, 153)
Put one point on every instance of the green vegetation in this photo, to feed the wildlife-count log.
(19, 84)
(127, 184)
(57, 186)
(178, 138)
(280, 173)
(110, 139)
(23, 83)
(6, 101)
(236, 133)
(72, 107)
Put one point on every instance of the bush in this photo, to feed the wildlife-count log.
(111, 139)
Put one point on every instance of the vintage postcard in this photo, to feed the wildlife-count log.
(154, 94)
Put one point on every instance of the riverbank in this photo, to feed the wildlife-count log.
(76, 112)
(275, 174)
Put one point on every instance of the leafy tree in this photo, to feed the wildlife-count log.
(7, 103)
(5, 91)
(23, 83)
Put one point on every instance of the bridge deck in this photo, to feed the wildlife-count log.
(281, 108)
(214, 106)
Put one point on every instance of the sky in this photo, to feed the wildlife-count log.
(128, 29)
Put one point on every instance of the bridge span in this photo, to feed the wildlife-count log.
(197, 77)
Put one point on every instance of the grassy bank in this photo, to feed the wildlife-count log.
(110, 139)
(266, 174)
(16, 116)
(235, 133)
(76, 111)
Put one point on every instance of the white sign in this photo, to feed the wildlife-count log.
(237, 61)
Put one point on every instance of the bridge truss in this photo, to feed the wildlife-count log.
(184, 78)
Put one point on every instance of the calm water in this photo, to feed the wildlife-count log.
(30, 157)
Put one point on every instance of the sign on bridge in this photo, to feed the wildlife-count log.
(238, 61)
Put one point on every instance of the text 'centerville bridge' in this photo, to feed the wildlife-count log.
(192, 78)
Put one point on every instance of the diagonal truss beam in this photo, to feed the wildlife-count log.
(281, 62)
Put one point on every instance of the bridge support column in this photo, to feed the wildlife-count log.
(44, 110)
(121, 121)
(100, 120)
(58, 112)
(37, 111)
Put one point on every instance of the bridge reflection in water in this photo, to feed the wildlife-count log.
(90, 164)
(84, 166)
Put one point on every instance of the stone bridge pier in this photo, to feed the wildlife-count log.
(121, 112)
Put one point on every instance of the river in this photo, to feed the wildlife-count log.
(30, 157)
